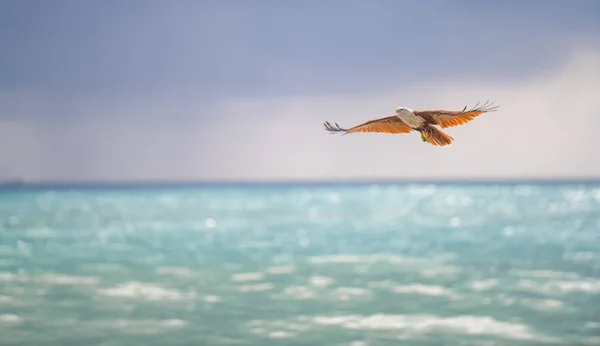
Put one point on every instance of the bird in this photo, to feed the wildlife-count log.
(406, 120)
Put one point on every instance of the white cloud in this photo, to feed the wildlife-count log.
(546, 127)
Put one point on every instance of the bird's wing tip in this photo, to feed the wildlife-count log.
(334, 129)
(488, 106)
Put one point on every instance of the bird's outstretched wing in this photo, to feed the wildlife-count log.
(391, 125)
(445, 118)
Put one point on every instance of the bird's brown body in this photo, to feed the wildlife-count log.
(406, 121)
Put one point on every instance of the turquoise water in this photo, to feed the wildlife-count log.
(356, 265)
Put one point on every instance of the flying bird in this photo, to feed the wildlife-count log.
(406, 120)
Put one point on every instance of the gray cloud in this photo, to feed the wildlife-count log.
(231, 90)
(546, 127)
(236, 48)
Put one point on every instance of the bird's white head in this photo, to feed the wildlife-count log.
(403, 110)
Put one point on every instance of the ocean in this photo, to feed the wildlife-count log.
(293, 264)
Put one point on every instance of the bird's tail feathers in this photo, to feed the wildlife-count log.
(436, 137)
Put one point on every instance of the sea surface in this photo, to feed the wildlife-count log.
(316, 264)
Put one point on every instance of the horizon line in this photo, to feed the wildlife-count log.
(17, 183)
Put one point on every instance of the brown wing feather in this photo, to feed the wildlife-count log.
(391, 125)
(445, 118)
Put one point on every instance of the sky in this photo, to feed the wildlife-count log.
(184, 90)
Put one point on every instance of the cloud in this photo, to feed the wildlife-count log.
(546, 128)
(310, 48)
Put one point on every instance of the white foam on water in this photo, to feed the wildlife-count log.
(382, 257)
(347, 293)
(539, 304)
(354, 291)
(426, 290)
(336, 259)
(279, 270)
(174, 323)
(529, 285)
(258, 330)
(333, 320)
(384, 284)
(9, 277)
(429, 267)
(508, 301)
(544, 304)
(591, 286)
(41, 232)
(176, 271)
(58, 279)
(544, 274)
(299, 292)
(484, 285)
(586, 286)
(437, 270)
(147, 291)
(265, 286)
(142, 326)
(281, 334)
(239, 277)
(321, 281)
(6, 299)
(212, 299)
(51, 279)
(592, 325)
(582, 256)
(106, 267)
(296, 327)
(279, 329)
(10, 319)
(358, 343)
(594, 340)
(424, 324)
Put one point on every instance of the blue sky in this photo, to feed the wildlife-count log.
(196, 90)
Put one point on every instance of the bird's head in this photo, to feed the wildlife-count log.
(401, 110)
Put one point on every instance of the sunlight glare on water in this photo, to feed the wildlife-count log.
(377, 264)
